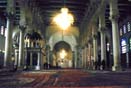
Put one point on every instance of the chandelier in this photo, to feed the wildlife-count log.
(64, 19)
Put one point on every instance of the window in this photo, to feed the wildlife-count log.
(123, 46)
(108, 46)
(129, 26)
(120, 31)
(2, 30)
(130, 43)
(124, 29)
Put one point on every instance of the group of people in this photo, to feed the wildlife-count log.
(100, 65)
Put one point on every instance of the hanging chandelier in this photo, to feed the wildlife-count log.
(64, 19)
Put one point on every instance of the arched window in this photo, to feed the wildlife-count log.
(120, 31)
(128, 26)
(2, 30)
(123, 46)
(124, 29)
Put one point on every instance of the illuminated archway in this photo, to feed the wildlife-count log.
(62, 55)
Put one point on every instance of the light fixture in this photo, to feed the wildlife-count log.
(63, 54)
(64, 19)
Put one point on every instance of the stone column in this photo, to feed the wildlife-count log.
(31, 54)
(95, 48)
(26, 57)
(103, 47)
(22, 27)
(73, 59)
(29, 43)
(79, 57)
(82, 51)
(9, 26)
(16, 57)
(21, 46)
(85, 57)
(38, 61)
(48, 56)
(51, 57)
(76, 56)
(89, 55)
(114, 14)
(103, 40)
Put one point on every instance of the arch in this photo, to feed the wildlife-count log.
(16, 32)
(57, 37)
(63, 55)
(60, 45)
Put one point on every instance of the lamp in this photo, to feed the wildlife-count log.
(63, 54)
(64, 19)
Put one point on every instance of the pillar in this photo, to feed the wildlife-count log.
(26, 57)
(114, 14)
(51, 57)
(9, 26)
(16, 57)
(76, 57)
(82, 51)
(31, 54)
(103, 37)
(89, 54)
(48, 55)
(103, 47)
(21, 46)
(79, 57)
(94, 37)
(95, 48)
(85, 57)
(73, 59)
(22, 27)
(38, 61)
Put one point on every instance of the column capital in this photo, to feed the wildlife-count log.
(94, 36)
(47, 47)
(102, 29)
(10, 15)
(89, 41)
(114, 12)
(22, 2)
(114, 17)
(22, 27)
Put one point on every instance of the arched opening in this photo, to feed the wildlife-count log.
(62, 55)
(123, 52)
(34, 59)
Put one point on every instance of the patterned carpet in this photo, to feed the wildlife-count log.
(67, 78)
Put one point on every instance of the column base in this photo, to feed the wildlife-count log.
(116, 68)
(37, 68)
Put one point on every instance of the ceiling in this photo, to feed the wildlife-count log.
(124, 7)
(48, 8)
